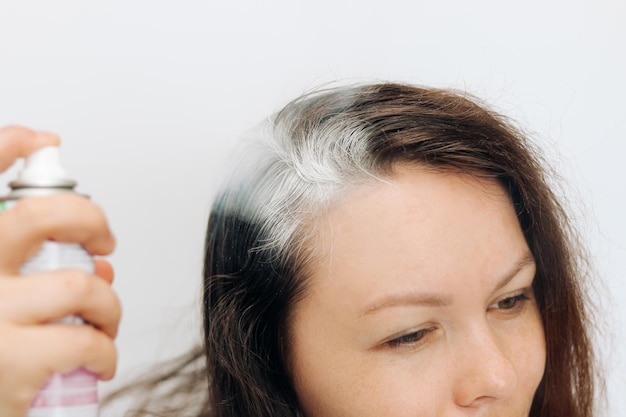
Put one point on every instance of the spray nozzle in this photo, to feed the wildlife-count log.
(43, 168)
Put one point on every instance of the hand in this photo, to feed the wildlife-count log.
(31, 348)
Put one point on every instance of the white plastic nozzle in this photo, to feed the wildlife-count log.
(43, 167)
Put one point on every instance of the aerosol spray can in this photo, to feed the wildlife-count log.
(73, 394)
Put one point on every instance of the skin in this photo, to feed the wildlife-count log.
(31, 348)
(419, 304)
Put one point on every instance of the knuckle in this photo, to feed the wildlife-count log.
(77, 283)
(117, 303)
(86, 340)
(99, 217)
(116, 310)
(80, 211)
(114, 356)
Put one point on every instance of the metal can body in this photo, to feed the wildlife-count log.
(75, 393)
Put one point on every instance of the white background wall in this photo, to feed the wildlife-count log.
(149, 97)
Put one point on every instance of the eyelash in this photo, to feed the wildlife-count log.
(518, 301)
(410, 339)
(414, 339)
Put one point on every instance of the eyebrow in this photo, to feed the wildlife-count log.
(440, 300)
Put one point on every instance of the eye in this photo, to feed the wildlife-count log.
(409, 339)
(511, 303)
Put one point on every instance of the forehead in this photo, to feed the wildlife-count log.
(419, 228)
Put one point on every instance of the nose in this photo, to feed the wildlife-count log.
(485, 372)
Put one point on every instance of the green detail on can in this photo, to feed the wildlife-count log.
(3, 206)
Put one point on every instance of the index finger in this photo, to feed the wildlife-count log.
(18, 142)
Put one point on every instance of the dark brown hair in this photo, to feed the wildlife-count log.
(256, 248)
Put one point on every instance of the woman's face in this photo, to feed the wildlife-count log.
(420, 304)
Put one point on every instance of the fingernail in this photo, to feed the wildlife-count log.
(48, 137)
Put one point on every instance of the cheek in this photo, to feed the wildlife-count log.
(540, 357)
(326, 378)
(332, 378)
(528, 354)
(345, 386)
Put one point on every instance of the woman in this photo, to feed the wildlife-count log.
(389, 250)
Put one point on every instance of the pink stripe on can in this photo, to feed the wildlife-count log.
(78, 387)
